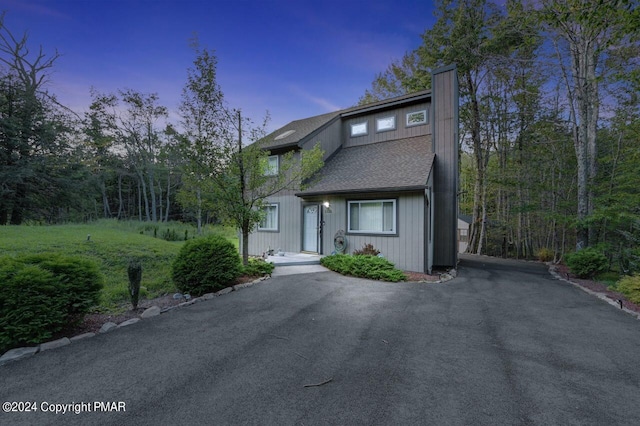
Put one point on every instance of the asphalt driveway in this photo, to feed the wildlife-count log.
(504, 343)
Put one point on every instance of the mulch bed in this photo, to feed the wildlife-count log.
(563, 271)
(419, 277)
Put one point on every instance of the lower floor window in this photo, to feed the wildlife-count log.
(270, 220)
(372, 216)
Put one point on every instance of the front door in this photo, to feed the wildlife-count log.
(311, 228)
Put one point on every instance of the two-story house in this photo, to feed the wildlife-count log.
(390, 178)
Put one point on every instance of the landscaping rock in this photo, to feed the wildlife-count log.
(18, 353)
(128, 322)
(178, 296)
(54, 344)
(224, 291)
(445, 277)
(82, 336)
(207, 296)
(107, 327)
(239, 286)
(151, 312)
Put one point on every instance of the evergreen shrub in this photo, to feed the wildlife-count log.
(258, 268)
(206, 264)
(41, 294)
(630, 287)
(364, 266)
(134, 272)
(587, 262)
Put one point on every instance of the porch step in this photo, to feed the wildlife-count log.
(292, 259)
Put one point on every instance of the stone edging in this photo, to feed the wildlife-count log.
(444, 277)
(601, 296)
(20, 353)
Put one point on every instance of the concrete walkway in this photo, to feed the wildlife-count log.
(290, 259)
(297, 269)
(295, 263)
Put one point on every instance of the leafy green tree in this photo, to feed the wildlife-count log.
(584, 34)
(480, 39)
(131, 124)
(225, 160)
(204, 122)
(39, 171)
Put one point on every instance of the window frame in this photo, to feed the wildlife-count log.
(392, 233)
(277, 221)
(425, 121)
(268, 170)
(364, 133)
(386, 129)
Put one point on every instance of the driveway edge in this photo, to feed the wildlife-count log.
(16, 354)
(601, 296)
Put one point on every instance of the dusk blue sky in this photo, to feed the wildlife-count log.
(293, 58)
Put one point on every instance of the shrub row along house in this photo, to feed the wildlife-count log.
(390, 178)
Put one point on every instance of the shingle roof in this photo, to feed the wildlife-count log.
(301, 129)
(398, 165)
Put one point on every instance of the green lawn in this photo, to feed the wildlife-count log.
(111, 244)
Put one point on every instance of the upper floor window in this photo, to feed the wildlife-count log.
(359, 129)
(386, 123)
(417, 117)
(271, 166)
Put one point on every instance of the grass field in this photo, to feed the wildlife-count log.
(112, 244)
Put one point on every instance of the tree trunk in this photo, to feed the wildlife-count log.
(120, 196)
(199, 210)
(139, 201)
(17, 214)
(166, 216)
(152, 196)
(144, 195)
(105, 200)
(474, 240)
(245, 242)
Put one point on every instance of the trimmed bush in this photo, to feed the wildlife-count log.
(587, 262)
(258, 268)
(134, 272)
(630, 287)
(364, 266)
(41, 294)
(206, 264)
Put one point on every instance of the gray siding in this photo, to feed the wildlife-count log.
(288, 238)
(427, 233)
(401, 131)
(445, 145)
(328, 137)
(406, 250)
